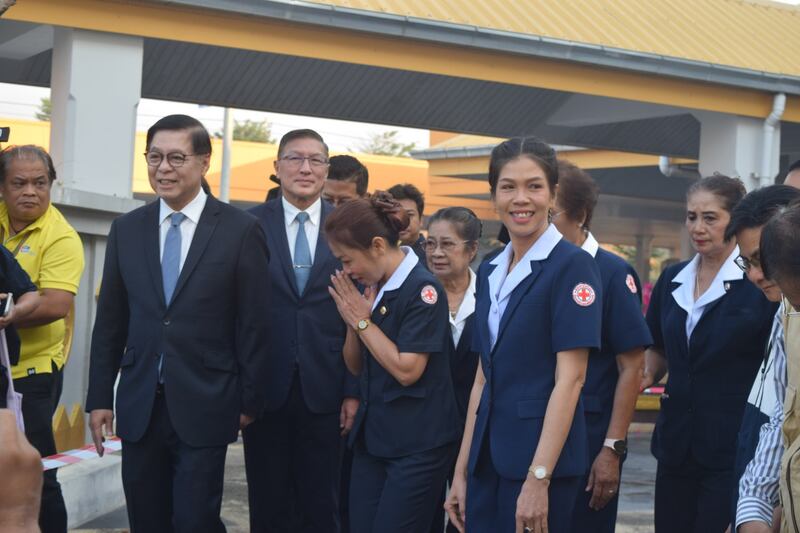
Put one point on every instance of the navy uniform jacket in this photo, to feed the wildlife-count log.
(624, 329)
(542, 318)
(463, 365)
(710, 375)
(394, 420)
(211, 334)
(305, 330)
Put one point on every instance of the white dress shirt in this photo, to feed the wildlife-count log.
(192, 210)
(466, 308)
(684, 294)
(312, 225)
(590, 245)
(399, 275)
(502, 282)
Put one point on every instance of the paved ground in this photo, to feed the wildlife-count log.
(635, 512)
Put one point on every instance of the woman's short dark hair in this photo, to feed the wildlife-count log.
(348, 168)
(729, 190)
(780, 245)
(300, 134)
(531, 147)
(201, 140)
(577, 192)
(26, 151)
(466, 223)
(755, 209)
(357, 222)
(407, 191)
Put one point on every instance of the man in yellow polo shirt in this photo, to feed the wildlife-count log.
(50, 251)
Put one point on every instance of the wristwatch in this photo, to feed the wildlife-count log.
(539, 472)
(362, 324)
(618, 446)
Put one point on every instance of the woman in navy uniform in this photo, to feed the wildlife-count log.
(709, 326)
(537, 315)
(451, 246)
(406, 427)
(614, 373)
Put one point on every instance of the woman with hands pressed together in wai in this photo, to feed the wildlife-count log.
(406, 428)
(537, 315)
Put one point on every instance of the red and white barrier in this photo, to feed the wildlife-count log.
(112, 444)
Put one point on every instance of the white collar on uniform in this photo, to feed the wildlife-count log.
(192, 210)
(684, 294)
(399, 275)
(290, 212)
(502, 282)
(590, 245)
(467, 306)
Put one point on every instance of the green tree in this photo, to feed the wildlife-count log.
(251, 130)
(385, 143)
(45, 110)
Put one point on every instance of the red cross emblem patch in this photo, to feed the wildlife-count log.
(629, 281)
(429, 294)
(583, 294)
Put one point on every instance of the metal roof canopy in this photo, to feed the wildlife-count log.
(214, 75)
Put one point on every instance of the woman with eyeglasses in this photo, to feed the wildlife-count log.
(709, 325)
(537, 315)
(398, 344)
(759, 445)
(451, 246)
(614, 372)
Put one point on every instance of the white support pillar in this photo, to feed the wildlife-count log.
(95, 90)
(733, 145)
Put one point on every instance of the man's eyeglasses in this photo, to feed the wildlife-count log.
(446, 246)
(175, 159)
(296, 161)
(744, 263)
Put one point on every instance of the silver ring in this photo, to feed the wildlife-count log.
(527, 529)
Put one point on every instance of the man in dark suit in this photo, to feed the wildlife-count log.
(292, 453)
(413, 203)
(181, 317)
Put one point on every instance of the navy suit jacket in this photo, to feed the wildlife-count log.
(306, 330)
(463, 365)
(541, 319)
(710, 375)
(211, 334)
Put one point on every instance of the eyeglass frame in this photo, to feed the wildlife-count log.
(438, 244)
(298, 160)
(167, 156)
(745, 263)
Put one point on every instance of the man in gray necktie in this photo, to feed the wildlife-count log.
(292, 452)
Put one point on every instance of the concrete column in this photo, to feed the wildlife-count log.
(95, 89)
(733, 145)
(644, 246)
